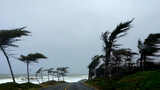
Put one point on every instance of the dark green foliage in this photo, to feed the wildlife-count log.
(102, 83)
(148, 80)
(95, 61)
(8, 37)
(140, 81)
(149, 49)
(110, 41)
(16, 86)
(119, 32)
(151, 45)
(29, 85)
(33, 57)
(9, 86)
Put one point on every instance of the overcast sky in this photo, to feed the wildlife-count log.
(68, 31)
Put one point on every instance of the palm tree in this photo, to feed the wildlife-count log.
(39, 71)
(58, 73)
(148, 49)
(49, 71)
(64, 70)
(110, 40)
(7, 39)
(33, 57)
(92, 66)
(53, 73)
(124, 54)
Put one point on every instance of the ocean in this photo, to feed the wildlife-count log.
(21, 78)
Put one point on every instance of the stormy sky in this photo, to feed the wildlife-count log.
(68, 31)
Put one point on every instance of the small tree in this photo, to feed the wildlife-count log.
(33, 57)
(7, 39)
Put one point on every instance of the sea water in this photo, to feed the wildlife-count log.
(21, 78)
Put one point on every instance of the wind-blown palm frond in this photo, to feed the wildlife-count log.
(149, 49)
(39, 70)
(32, 57)
(95, 61)
(152, 45)
(110, 40)
(8, 37)
(119, 31)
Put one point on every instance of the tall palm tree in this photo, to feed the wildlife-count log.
(149, 49)
(7, 39)
(33, 57)
(110, 41)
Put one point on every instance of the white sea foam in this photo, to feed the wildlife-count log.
(22, 79)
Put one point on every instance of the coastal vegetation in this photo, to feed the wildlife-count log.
(32, 57)
(28, 86)
(116, 69)
(122, 68)
(8, 39)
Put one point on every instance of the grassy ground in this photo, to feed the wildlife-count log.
(148, 80)
(26, 86)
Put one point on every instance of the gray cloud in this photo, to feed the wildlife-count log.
(68, 31)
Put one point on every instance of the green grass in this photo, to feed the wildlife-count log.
(26, 86)
(15, 86)
(148, 80)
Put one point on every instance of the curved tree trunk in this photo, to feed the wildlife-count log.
(28, 71)
(9, 64)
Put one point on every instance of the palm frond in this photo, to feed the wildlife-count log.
(32, 57)
(8, 37)
(120, 31)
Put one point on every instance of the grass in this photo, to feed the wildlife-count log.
(26, 86)
(16, 86)
(148, 80)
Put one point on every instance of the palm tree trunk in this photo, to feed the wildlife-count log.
(48, 76)
(28, 71)
(141, 62)
(9, 64)
(63, 78)
(41, 77)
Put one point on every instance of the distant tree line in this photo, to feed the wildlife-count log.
(59, 72)
(117, 61)
(8, 38)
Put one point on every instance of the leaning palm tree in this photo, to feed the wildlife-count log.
(7, 39)
(110, 42)
(64, 71)
(39, 71)
(33, 57)
(149, 49)
(49, 71)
